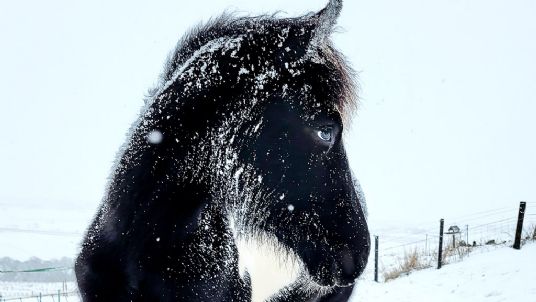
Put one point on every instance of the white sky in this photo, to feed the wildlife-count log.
(446, 125)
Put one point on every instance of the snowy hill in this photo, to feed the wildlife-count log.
(503, 274)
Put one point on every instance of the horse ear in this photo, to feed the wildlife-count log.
(325, 21)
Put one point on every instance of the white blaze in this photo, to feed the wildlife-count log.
(270, 266)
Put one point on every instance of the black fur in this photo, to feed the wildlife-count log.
(227, 146)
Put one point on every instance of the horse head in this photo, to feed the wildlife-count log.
(265, 102)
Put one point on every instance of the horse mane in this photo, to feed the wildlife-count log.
(229, 25)
(225, 25)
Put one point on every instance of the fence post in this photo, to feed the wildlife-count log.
(467, 234)
(519, 229)
(440, 251)
(376, 241)
(59, 295)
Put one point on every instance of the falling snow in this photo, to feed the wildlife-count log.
(155, 137)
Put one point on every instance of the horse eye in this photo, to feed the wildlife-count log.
(325, 133)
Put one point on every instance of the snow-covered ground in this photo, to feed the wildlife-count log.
(490, 274)
(503, 274)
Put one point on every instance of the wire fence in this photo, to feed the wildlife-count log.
(38, 270)
(484, 230)
(55, 292)
(70, 296)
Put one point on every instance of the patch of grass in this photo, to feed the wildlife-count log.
(530, 233)
(453, 254)
(412, 261)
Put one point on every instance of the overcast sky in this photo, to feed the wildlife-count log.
(446, 124)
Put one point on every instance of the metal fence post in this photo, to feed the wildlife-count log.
(467, 234)
(519, 229)
(440, 252)
(376, 241)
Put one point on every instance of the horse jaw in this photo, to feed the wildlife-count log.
(269, 265)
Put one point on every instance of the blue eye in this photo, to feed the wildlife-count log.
(325, 134)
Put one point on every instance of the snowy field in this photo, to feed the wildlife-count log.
(487, 274)
(503, 274)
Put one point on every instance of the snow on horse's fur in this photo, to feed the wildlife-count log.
(234, 184)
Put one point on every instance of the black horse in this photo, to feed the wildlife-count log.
(234, 183)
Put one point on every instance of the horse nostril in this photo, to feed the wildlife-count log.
(349, 267)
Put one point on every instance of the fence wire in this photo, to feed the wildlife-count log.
(499, 229)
